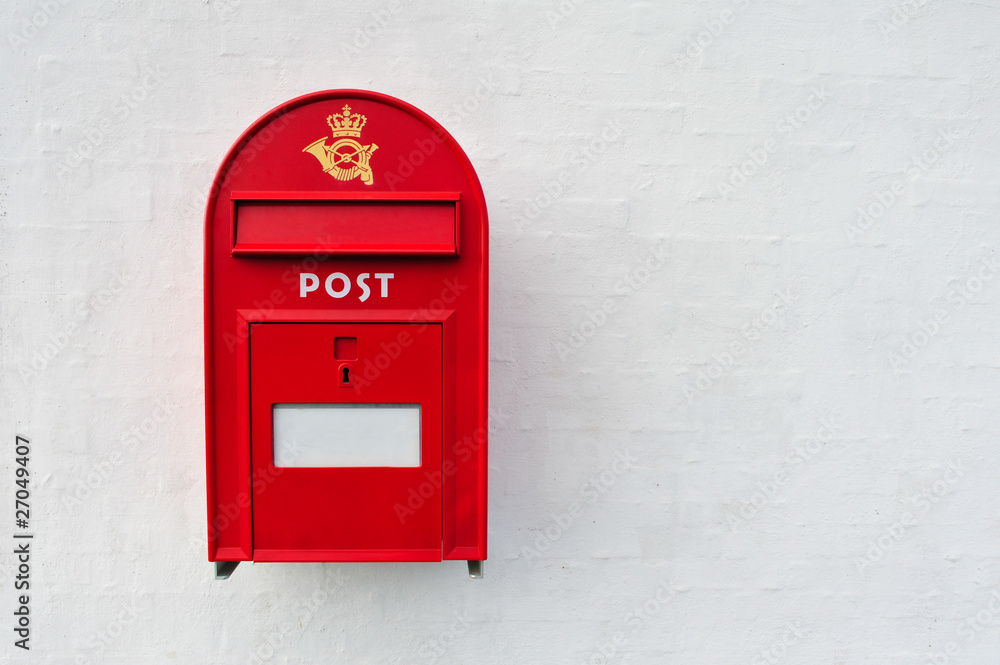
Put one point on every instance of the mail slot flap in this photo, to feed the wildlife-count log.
(269, 223)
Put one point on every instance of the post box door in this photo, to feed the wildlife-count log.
(346, 441)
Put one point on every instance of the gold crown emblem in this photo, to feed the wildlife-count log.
(346, 123)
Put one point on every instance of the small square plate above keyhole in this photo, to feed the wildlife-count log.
(345, 348)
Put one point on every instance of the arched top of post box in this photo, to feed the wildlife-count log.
(372, 147)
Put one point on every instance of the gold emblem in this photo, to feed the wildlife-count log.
(345, 158)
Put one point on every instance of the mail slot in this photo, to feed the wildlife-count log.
(382, 223)
(346, 273)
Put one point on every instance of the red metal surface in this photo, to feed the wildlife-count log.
(344, 511)
(397, 156)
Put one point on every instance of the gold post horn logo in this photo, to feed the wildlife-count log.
(345, 158)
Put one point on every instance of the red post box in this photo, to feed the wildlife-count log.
(346, 276)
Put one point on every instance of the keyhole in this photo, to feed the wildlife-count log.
(345, 376)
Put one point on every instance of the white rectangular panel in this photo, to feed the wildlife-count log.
(346, 435)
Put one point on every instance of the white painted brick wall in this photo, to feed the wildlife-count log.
(779, 504)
